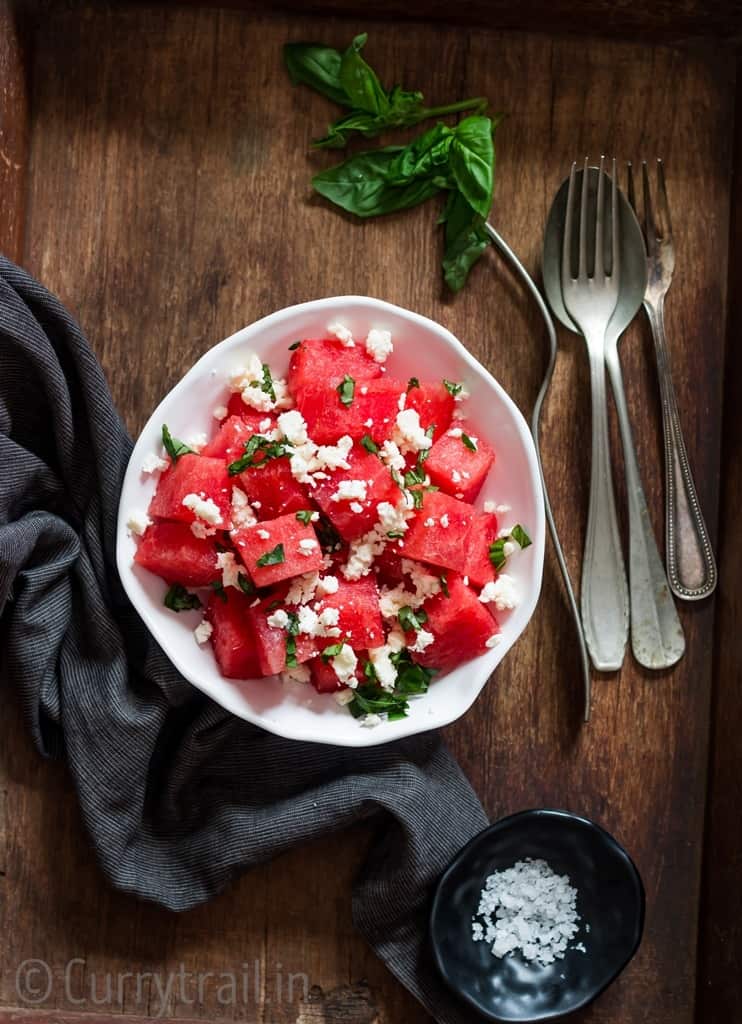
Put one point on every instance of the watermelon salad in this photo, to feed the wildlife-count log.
(329, 528)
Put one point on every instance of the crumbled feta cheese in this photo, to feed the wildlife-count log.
(202, 530)
(242, 376)
(455, 476)
(429, 521)
(297, 674)
(138, 522)
(343, 334)
(307, 546)
(493, 640)
(256, 504)
(220, 412)
(344, 697)
(350, 490)
(466, 581)
(425, 584)
(503, 592)
(257, 399)
(455, 432)
(371, 721)
(328, 622)
(196, 441)
(379, 345)
(327, 585)
(386, 673)
(361, 555)
(284, 399)
(231, 571)
(509, 548)
(308, 620)
(357, 507)
(391, 519)
(392, 599)
(242, 513)
(391, 456)
(335, 456)
(303, 588)
(444, 520)
(408, 434)
(344, 663)
(203, 631)
(293, 427)
(402, 401)
(459, 495)
(423, 640)
(278, 619)
(154, 464)
(489, 507)
(203, 508)
(264, 534)
(461, 396)
(364, 389)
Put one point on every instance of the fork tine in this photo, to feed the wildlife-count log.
(568, 224)
(663, 207)
(582, 260)
(630, 186)
(599, 266)
(650, 230)
(615, 226)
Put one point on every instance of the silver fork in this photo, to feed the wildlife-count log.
(691, 567)
(590, 301)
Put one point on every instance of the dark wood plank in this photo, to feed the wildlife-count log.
(720, 940)
(14, 72)
(168, 205)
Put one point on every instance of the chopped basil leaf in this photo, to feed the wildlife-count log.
(369, 444)
(413, 382)
(274, 557)
(396, 477)
(370, 699)
(267, 385)
(468, 443)
(178, 599)
(218, 587)
(417, 500)
(497, 553)
(425, 452)
(410, 618)
(292, 348)
(411, 677)
(275, 604)
(260, 446)
(346, 390)
(414, 476)
(329, 538)
(173, 446)
(520, 536)
(369, 672)
(332, 650)
(444, 586)
(395, 534)
(452, 388)
(305, 516)
(246, 586)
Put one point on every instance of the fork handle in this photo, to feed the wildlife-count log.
(656, 633)
(604, 596)
(691, 567)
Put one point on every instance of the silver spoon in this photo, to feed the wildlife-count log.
(656, 633)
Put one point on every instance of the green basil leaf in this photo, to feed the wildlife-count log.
(246, 585)
(173, 446)
(369, 444)
(444, 586)
(423, 157)
(465, 240)
(519, 535)
(395, 534)
(468, 443)
(417, 500)
(360, 186)
(293, 347)
(267, 384)
(178, 599)
(410, 618)
(413, 382)
(305, 516)
(360, 82)
(473, 162)
(497, 553)
(414, 476)
(218, 587)
(258, 445)
(338, 134)
(346, 390)
(332, 650)
(274, 557)
(452, 388)
(318, 67)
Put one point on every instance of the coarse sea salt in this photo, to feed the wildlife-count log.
(530, 909)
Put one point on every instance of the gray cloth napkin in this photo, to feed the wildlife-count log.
(177, 795)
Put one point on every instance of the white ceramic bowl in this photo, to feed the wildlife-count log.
(421, 348)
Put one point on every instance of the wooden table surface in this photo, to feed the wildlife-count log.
(167, 203)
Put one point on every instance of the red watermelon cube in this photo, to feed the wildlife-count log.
(454, 467)
(278, 549)
(272, 488)
(192, 474)
(460, 624)
(434, 404)
(325, 359)
(236, 407)
(270, 641)
(171, 551)
(359, 618)
(232, 635)
(229, 441)
(477, 565)
(439, 532)
(352, 518)
(372, 411)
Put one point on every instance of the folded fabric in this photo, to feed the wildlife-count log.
(177, 795)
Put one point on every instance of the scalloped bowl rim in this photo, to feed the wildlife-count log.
(289, 710)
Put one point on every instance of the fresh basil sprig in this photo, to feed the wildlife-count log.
(348, 80)
(256, 452)
(178, 599)
(173, 446)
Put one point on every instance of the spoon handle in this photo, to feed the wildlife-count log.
(604, 597)
(656, 633)
(691, 567)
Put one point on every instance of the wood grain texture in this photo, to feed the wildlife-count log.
(169, 205)
(720, 940)
(14, 113)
